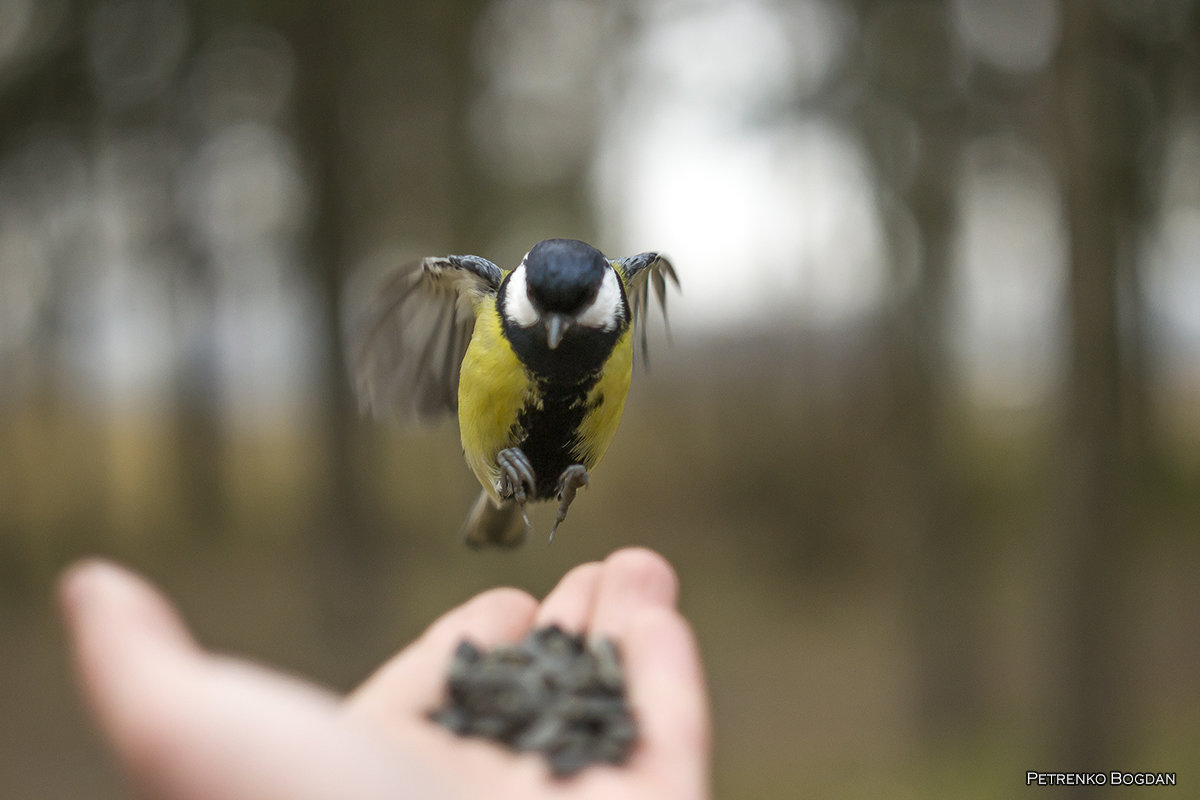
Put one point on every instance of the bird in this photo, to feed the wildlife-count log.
(536, 361)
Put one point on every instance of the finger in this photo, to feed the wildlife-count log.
(633, 578)
(188, 725)
(666, 690)
(413, 679)
(118, 625)
(569, 604)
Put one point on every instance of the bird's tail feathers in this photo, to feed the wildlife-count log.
(491, 525)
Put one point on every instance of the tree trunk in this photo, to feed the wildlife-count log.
(1088, 695)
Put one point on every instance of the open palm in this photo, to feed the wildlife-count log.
(186, 723)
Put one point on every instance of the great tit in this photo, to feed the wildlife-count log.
(537, 361)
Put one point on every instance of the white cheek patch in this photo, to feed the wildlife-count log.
(605, 311)
(517, 306)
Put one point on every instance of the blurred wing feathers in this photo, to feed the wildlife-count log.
(407, 332)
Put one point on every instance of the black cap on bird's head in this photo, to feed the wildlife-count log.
(562, 277)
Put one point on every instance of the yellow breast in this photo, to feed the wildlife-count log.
(606, 402)
(493, 386)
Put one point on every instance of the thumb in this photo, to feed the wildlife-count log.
(190, 725)
(121, 632)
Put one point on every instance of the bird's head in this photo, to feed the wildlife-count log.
(563, 284)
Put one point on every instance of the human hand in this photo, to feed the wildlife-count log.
(189, 724)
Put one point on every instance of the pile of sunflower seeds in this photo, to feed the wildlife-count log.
(551, 693)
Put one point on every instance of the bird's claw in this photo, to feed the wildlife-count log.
(516, 476)
(569, 482)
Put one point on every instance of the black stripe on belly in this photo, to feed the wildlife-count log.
(551, 432)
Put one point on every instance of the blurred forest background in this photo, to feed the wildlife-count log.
(924, 447)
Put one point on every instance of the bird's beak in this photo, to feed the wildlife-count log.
(556, 326)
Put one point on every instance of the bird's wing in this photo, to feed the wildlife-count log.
(407, 332)
(640, 273)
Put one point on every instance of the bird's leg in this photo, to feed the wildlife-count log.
(571, 479)
(516, 477)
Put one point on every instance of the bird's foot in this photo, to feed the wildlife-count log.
(571, 479)
(516, 478)
(516, 475)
